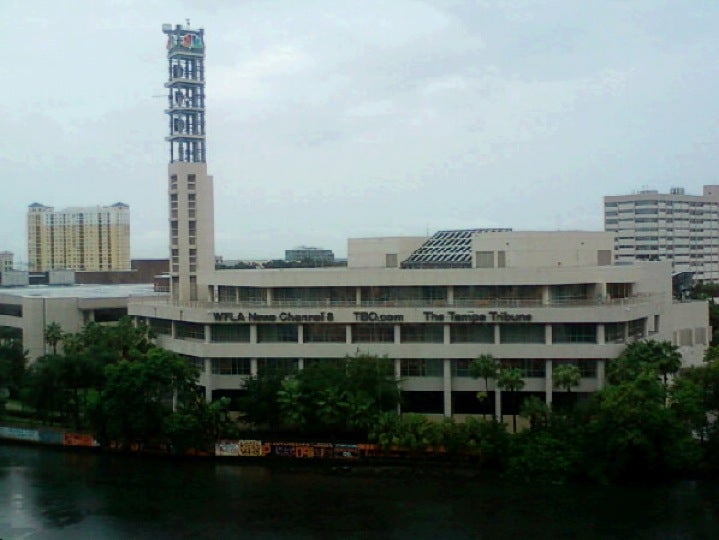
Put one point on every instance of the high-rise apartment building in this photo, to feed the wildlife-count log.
(89, 238)
(675, 226)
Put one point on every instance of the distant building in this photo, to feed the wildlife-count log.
(6, 261)
(310, 256)
(26, 311)
(81, 239)
(681, 228)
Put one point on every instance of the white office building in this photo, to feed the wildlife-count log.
(533, 300)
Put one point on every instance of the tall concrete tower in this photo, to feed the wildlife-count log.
(192, 244)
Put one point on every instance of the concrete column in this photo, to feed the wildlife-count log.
(600, 334)
(545, 295)
(300, 364)
(253, 367)
(497, 403)
(358, 296)
(601, 373)
(447, 335)
(300, 333)
(208, 333)
(547, 334)
(253, 333)
(269, 296)
(450, 295)
(447, 387)
(208, 378)
(397, 334)
(497, 335)
(548, 382)
(348, 334)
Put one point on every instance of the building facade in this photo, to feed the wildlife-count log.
(81, 238)
(680, 228)
(28, 310)
(533, 300)
(555, 298)
(6, 261)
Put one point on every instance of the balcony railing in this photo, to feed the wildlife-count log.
(485, 303)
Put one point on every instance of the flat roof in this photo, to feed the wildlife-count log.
(82, 291)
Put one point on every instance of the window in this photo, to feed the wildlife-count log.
(460, 367)
(226, 294)
(521, 333)
(188, 330)
(587, 367)
(485, 259)
(574, 333)
(231, 366)
(421, 367)
(471, 333)
(277, 333)
(372, 333)
(422, 333)
(614, 332)
(286, 365)
(324, 333)
(637, 328)
(11, 310)
(529, 367)
(160, 326)
(232, 333)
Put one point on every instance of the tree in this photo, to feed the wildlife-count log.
(565, 376)
(661, 357)
(12, 368)
(485, 367)
(260, 405)
(536, 411)
(630, 433)
(339, 396)
(138, 397)
(53, 335)
(510, 379)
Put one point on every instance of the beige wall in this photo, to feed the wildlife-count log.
(544, 249)
(372, 252)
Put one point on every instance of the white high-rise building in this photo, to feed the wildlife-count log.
(681, 228)
(93, 238)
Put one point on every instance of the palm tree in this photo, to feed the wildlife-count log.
(510, 379)
(53, 335)
(566, 375)
(485, 366)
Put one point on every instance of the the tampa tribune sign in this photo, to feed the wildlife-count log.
(369, 316)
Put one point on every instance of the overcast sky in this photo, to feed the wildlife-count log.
(330, 119)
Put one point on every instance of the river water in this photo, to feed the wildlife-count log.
(55, 494)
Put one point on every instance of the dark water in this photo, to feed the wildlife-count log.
(51, 494)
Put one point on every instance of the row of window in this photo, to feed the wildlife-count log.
(409, 367)
(409, 333)
(399, 295)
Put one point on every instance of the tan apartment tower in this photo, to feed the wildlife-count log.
(192, 251)
(93, 238)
